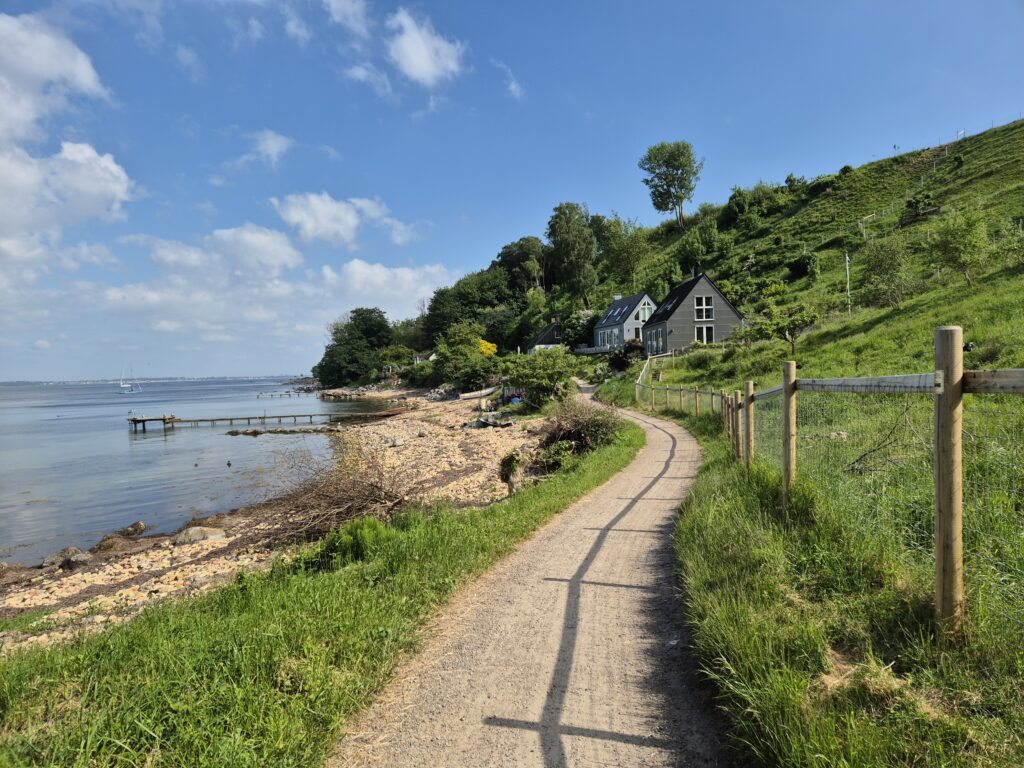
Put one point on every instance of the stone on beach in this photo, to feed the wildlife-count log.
(197, 533)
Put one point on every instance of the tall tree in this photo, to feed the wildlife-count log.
(625, 248)
(672, 175)
(574, 249)
(524, 261)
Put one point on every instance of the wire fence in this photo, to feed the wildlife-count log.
(872, 456)
(993, 493)
(927, 469)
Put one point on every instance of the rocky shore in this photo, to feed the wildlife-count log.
(439, 449)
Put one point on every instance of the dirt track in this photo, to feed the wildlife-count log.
(570, 652)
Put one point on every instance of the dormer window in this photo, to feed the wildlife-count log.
(703, 308)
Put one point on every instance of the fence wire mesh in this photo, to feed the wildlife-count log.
(768, 432)
(993, 516)
(872, 454)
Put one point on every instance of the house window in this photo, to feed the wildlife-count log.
(704, 334)
(703, 309)
(637, 332)
(645, 313)
(636, 316)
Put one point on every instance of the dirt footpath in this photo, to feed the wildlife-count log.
(570, 652)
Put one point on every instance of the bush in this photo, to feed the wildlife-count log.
(583, 424)
(545, 374)
(554, 456)
(422, 375)
(622, 359)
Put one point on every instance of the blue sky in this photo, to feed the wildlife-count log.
(198, 187)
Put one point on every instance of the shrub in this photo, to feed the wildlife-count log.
(545, 374)
(554, 456)
(621, 359)
(845, 170)
(583, 424)
(422, 375)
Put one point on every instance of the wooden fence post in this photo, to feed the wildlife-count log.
(949, 567)
(788, 430)
(725, 410)
(748, 423)
(652, 394)
(696, 401)
(737, 426)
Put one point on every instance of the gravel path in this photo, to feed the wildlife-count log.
(570, 652)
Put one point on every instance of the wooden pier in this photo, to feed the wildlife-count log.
(170, 421)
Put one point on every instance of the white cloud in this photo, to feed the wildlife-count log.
(167, 326)
(369, 74)
(42, 344)
(254, 30)
(361, 278)
(40, 69)
(268, 147)
(216, 180)
(515, 88)
(261, 251)
(351, 14)
(190, 63)
(420, 53)
(294, 26)
(321, 217)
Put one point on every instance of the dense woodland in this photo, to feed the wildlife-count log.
(777, 250)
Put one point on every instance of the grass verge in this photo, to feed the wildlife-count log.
(265, 671)
(820, 643)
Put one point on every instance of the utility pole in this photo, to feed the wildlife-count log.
(849, 300)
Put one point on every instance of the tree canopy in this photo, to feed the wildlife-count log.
(672, 175)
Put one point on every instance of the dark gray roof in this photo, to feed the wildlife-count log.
(551, 334)
(678, 295)
(620, 309)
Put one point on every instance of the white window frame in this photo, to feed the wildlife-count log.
(703, 308)
(701, 332)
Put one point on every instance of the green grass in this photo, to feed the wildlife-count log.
(820, 638)
(265, 671)
(815, 623)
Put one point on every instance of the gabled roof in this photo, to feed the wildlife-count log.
(620, 309)
(678, 295)
(551, 334)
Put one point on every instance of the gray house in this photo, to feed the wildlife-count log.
(623, 320)
(693, 311)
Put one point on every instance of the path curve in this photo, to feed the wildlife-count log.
(569, 652)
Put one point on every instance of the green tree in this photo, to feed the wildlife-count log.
(672, 175)
(460, 360)
(371, 324)
(786, 322)
(625, 248)
(574, 249)
(1010, 242)
(545, 374)
(524, 261)
(888, 271)
(353, 352)
(960, 241)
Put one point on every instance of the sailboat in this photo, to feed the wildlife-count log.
(127, 387)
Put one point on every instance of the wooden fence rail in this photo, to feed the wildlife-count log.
(947, 384)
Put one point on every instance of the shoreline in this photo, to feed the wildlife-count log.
(439, 459)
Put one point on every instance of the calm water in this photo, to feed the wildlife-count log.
(71, 471)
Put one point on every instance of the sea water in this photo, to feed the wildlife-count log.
(72, 470)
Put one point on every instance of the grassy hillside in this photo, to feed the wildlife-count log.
(816, 620)
(821, 217)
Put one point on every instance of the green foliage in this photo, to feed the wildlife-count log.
(672, 175)
(460, 360)
(625, 247)
(573, 250)
(422, 374)
(525, 261)
(960, 241)
(1009, 243)
(352, 354)
(396, 356)
(888, 272)
(622, 359)
(545, 374)
(787, 322)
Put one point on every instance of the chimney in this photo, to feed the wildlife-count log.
(616, 296)
(693, 271)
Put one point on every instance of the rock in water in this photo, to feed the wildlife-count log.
(133, 530)
(197, 533)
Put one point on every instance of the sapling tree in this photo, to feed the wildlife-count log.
(960, 242)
